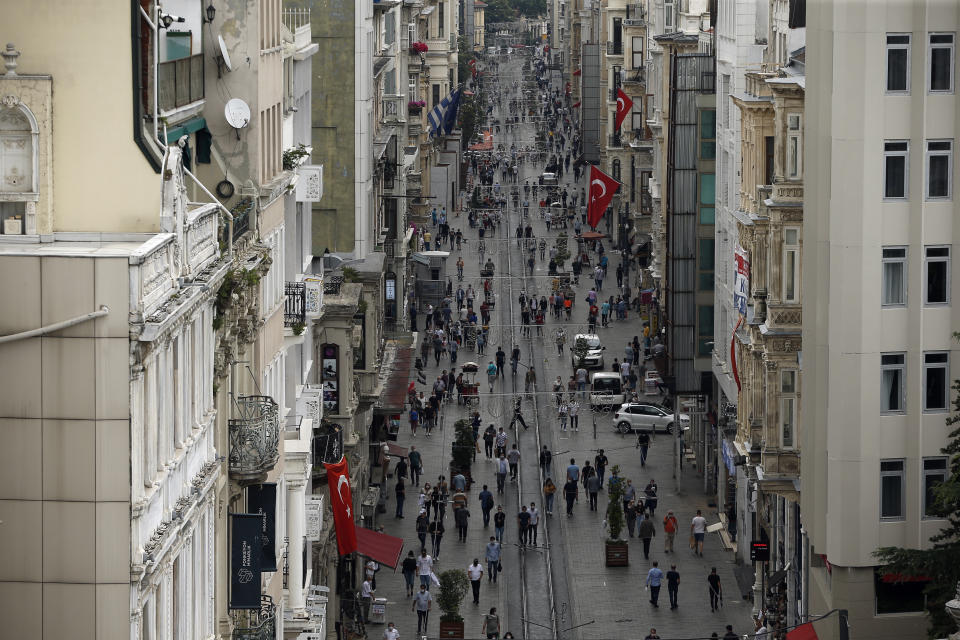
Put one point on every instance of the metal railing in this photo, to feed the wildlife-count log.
(327, 444)
(254, 437)
(295, 304)
(615, 141)
(295, 18)
(615, 48)
(332, 284)
(180, 82)
(255, 624)
(392, 108)
(638, 74)
(242, 212)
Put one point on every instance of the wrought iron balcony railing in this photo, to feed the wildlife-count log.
(332, 284)
(615, 48)
(242, 213)
(615, 141)
(327, 444)
(254, 438)
(255, 624)
(180, 82)
(295, 304)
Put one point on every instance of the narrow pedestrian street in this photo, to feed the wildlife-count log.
(560, 587)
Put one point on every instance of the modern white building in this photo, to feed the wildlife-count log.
(878, 281)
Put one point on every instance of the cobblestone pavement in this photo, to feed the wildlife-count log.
(589, 601)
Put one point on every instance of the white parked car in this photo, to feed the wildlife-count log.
(634, 416)
(594, 357)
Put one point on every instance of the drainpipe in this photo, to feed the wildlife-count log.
(222, 208)
(50, 328)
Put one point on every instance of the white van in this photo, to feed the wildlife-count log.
(606, 391)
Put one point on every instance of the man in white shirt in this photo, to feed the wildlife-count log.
(698, 527)
(366, 597)
(475, 573)
(424, 568)
(391, 633)
(532, 526)
(573, 408)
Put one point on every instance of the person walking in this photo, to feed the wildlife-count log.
(593, 488)
(573, 409)
(366, 599)
(423, 525)
(461, 519)
(630, 513)
(475, 573)
(401, 495)
(424, 568)
(573, 471)
(654, 578)
(730, 635)
(629, 493)
(546, 458)
(549, 490)
(391, 633)
(650, 501)
(436, 530)
(523, 525)
(513, 458)
(534, 521)
(646, 531)
(422, 602)
(570, 491)
(600, 462)
(673, 585)
(491, 624)
(643, 443)
(489, 435)
(499, 521)
(486, 504)
(416, 466)
(716, 590)
(502, 469)
(698, 527)
(652, 635)
(670, 526)
(501, 442)
(492, 555)
(409, 568)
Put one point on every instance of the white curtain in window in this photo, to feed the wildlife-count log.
(893, 291)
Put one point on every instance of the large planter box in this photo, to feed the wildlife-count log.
(617, 553)
(451, 629)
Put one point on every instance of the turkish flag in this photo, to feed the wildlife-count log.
(602, 188)
(624, 104)
(803, 632)
(341, 501)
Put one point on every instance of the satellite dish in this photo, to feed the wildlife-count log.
(224, 55)
(237, 113)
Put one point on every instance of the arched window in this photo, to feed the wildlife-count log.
(18, 168)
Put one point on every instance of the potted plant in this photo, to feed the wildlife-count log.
(415, 106)
(616, 548)
(419, 47)
(463, 448)
(453, 588)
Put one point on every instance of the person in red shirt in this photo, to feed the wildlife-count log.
(670, 530)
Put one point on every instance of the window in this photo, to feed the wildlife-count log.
(768, 142)
(891, 490)
(708, 134)
(436, 95)
(791, 265)
(707, 197)
(898, 594)
(941, 62)
(893, 371)
(939, 167)
(894, 292)
(794, 145)
(440, 20)
(706, 257)
(788, 407)
(898, 63)
(637, 115)
(936, 279)
(704, 330)
(668, 16)
(895, 168)
(936, 367)
(934, 473)
(636, 49)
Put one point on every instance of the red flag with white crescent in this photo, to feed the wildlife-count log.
(803, 632)
(602, 188)
(624, 105)
(341, 501)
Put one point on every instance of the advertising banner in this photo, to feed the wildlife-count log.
(245, 552)
(741, 280)
(262, 500)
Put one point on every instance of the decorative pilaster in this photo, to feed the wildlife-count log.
(296, 532)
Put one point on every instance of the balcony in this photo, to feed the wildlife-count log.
(254, 438)
(332, 284)
(637, 75)
(612, 94)
(327, 445)
(242, 213)
(255, 624)
(180, 82)
(615, 141)
(392, 109)
(297, 22)
(295, 305)
(615, 48)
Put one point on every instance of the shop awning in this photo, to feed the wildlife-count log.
(396, 451)
(395, 393)
(379, 547)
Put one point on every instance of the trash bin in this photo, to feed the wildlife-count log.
(378, 611)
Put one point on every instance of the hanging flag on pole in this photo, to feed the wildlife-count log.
(341, 501)
(602, 188)
(450, 117)
(803, 632)
(437, 118)
(624, 105)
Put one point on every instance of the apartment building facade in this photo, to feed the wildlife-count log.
(878, 279)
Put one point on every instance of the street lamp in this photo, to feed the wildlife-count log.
(211, 13)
